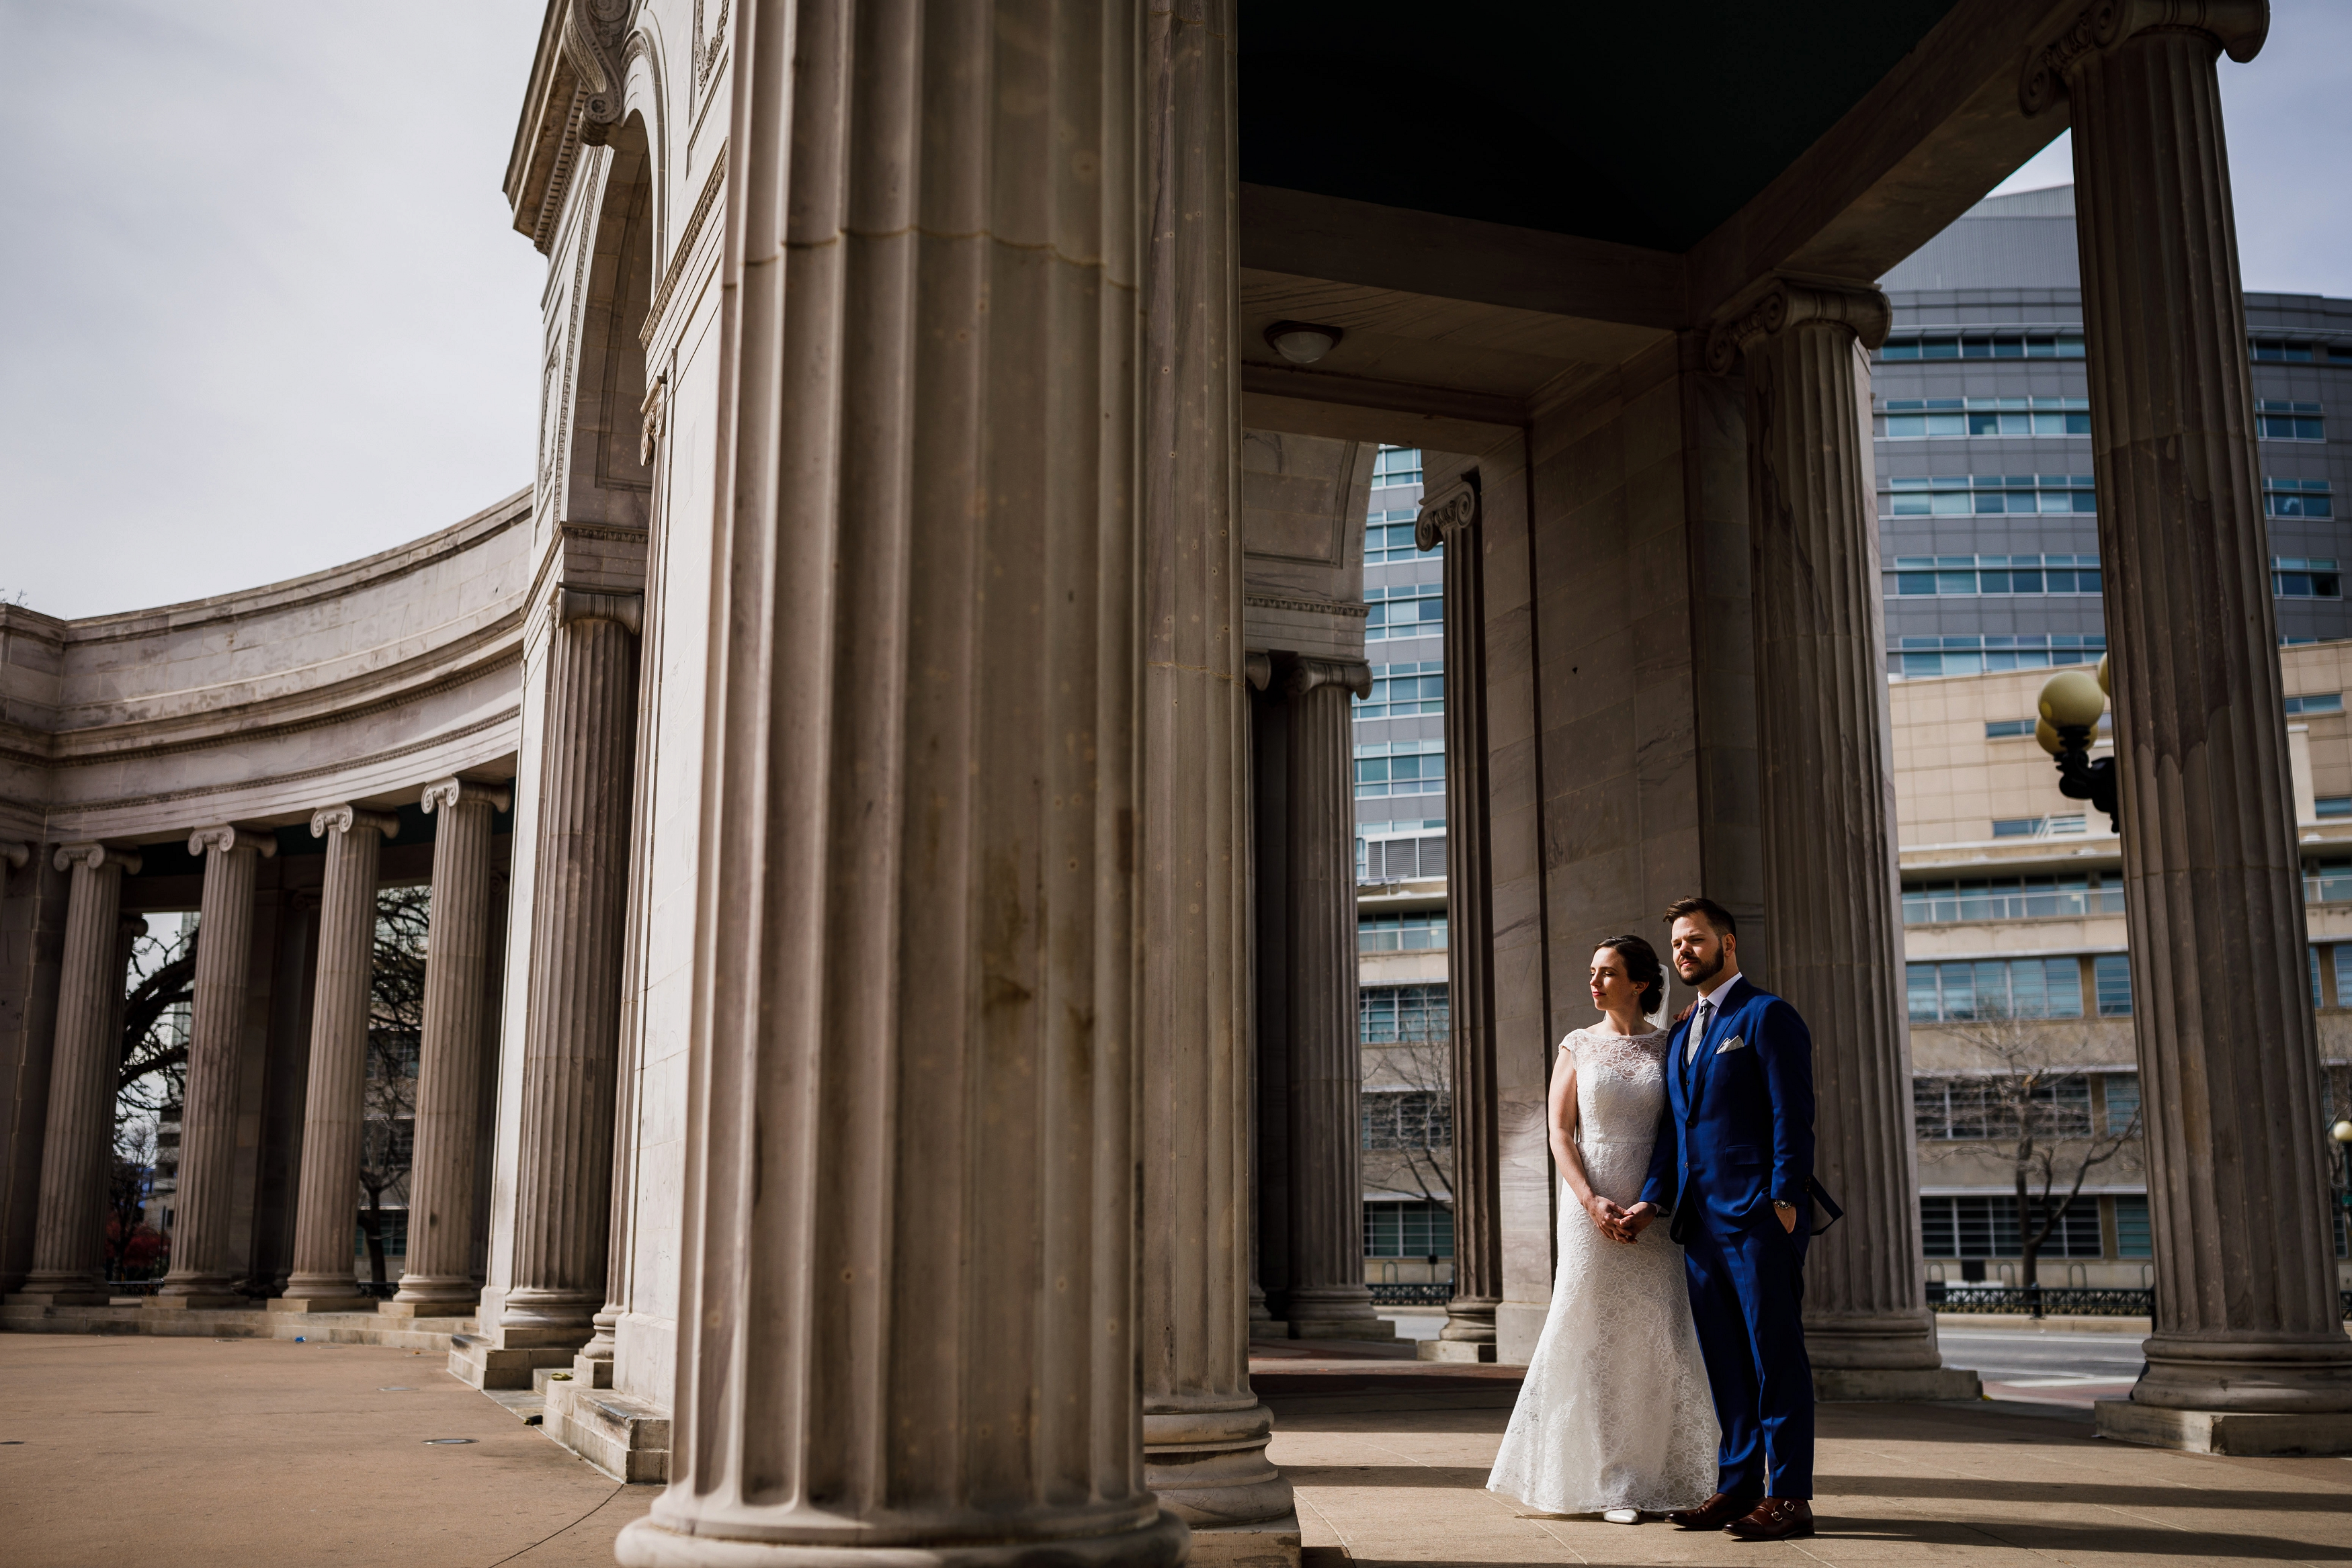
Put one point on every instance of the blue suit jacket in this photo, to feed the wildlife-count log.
(1737, 1129)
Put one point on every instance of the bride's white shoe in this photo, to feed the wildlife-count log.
(1623, 1516)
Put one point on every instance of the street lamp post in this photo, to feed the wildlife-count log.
(2071, 704)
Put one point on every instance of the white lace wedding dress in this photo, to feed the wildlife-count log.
(1615, 1412)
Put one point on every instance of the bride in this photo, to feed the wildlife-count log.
(1614, 1418)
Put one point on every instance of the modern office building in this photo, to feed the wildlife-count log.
(2013, 895)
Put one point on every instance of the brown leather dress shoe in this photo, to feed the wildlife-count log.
(1774, 1518)
(1714, 1513)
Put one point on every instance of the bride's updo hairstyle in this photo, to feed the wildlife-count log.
(1642, 967)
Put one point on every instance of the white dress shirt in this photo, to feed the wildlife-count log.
(1708, 1006)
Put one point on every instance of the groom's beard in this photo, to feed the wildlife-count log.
(1700, 977)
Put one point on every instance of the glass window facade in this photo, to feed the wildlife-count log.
(1400, 768)
(2011, 898)
(1982, 494)
(1915, 657)
(1916, 419)
(1396, 465)
(1995, 987)
(1983, 346)
(1917, 576)
(2275, 421)
(2111, 983)
(1987, 1228)
(2133, 1238)
(1408, 1230)
(1961, 1106)
(1400, 1015)
(1405, 689)
(1408, 1119)
(2297, 499)
(1417, 932)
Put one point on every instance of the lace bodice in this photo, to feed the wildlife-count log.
(1615, 1411)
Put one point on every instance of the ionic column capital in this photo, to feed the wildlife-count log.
(572, 605)
(97, 857)
(1447, 513)
(1778, 303)
(229, 836)
(2238, 27)
(16, 855)
(1304, 674)
(342, 817)
(446, 794)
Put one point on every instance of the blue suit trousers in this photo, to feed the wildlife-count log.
(1747, 1293)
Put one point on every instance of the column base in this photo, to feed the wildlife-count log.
(1273, 1544)
(624, 1437)
(1208, 1467)
(72, 1298)
(198, 1302)
(1860, 1385)
(1453, 1350)
(2238, 1432)
(322, 1303)
(648, 1543)
(505, 1357)
(465, 1307)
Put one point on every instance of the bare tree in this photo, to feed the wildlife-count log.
(133, 1248)
(2030, 1100)
(153, 1066)
(1409, 1115)
(395, 1030)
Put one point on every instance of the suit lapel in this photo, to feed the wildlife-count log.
(1725, 1000)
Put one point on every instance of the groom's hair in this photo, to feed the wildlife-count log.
(1708, 909)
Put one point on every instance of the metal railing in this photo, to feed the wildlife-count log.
(2039, 1301)
(1428, 1294)
(1943, 908)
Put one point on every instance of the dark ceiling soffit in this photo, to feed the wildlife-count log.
(1372, 247)
(1924, 145)
(1396, 397)
(538, 156)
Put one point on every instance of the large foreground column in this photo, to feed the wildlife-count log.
(200, 1275)
(69, 1234)
(908, 1321)
(335, 1110)
(1830, 904)
(1204, 1432)
(1326, 1296)
(440, 1271)
(1450, 520)
(562, 1214)
(2248, 1353)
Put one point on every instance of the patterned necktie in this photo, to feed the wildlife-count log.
(1697, 1033)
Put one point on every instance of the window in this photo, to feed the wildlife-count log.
(1388, 538)
(2011, 898)
(1417, 932)
(2110, 979)
(2327, 702)
(2328, 881)
(2001, 728)
(1401, 767)
(1917, 657)
(2297, 499)
(1396, 465)
(1412, 1119)
(1408, 1230)
(2330, 806)
(2299, 576)
(1409, 609)
(2054, 344)
(1964, 1107)
(1915, 575)
(2313, 954)
(2012, 987)
(2123, 1101)
(2018, 826)
(2275, 421)
(396, 1235)
(1974, 495)
(2132, 1240)
(1394, 860)
(1912, 419)
(1987, 1228)
(1391, 1015)
(1401, 691)
(2275, 350)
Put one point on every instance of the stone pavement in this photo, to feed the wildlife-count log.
(1392, 1470)
(199, 1452)
(262, 1453)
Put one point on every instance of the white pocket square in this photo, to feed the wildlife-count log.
(1734, 1043)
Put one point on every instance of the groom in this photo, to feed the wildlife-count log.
(1733, 1165)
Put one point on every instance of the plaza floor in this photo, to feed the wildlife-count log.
(253, 1451)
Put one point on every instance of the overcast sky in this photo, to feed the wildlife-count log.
(265, 310)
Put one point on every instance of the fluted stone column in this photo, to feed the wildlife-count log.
(200, 1274)
(1204, 1431)
(2248, 1354)
(1831, 905)
(562, 1215)
(439, 1278)
(334, 1119)
(69, 1232)
(1450, 519)
(1326, 1296)
(907, 1322)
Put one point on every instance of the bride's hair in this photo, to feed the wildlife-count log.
(1642, 967)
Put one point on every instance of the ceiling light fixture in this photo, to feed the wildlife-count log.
(1302, 342)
